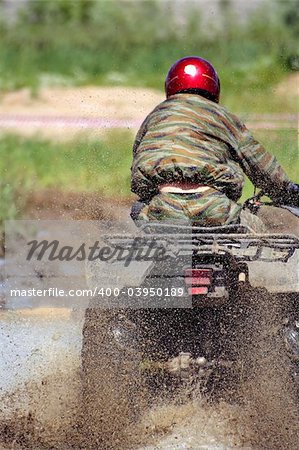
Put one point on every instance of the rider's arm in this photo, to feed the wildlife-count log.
(264, 171)
(141, 184)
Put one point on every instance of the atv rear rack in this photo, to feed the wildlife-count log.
(244, 247)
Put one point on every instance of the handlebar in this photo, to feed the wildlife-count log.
(254, 203)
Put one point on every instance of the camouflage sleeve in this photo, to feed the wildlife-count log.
(139, 136)
(141, 184)
(260, 166)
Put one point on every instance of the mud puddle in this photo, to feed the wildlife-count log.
(39, 373)
(42, 414)
(36, 343)
(41, 393)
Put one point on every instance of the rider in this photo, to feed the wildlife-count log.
(190, 156)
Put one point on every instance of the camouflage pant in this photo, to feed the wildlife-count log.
(211, 208)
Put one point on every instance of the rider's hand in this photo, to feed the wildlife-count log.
(290, 196)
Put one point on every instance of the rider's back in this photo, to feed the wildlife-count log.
(188, 138)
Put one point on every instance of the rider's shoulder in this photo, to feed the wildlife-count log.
(194, 103)
(232, 118)
(200, 103)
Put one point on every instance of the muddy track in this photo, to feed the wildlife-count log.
(41, 391)
(60, 113)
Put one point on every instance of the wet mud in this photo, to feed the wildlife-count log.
(40, 377)
(49, 413)
(260, 412)
(42, 415)
(45, 409)
(270, 394)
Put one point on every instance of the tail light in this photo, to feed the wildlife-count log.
(198, 280)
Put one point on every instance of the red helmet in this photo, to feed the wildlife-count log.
(193, 74)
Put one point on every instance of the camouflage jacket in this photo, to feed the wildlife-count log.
(191, 139)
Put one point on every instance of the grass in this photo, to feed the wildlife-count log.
(239, 96)
(102, 166)
(31, 165)
(99, 165)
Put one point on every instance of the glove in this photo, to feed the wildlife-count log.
(289, 196)
(293, 195)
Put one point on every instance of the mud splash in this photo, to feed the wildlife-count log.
(195, 424)
(270, 395)
(42, 415)
(51, 420)
(265, 415)
(47, 414)
(53, 417)
(40, 382)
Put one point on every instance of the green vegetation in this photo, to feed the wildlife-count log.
(98, 165)
(31, 165)
(101, 166)
(134, 43)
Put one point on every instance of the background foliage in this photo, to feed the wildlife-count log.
(134, 42)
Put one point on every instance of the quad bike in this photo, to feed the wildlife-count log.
(209, 335)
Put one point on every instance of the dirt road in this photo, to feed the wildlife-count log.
(61, 113)
(65, 126)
